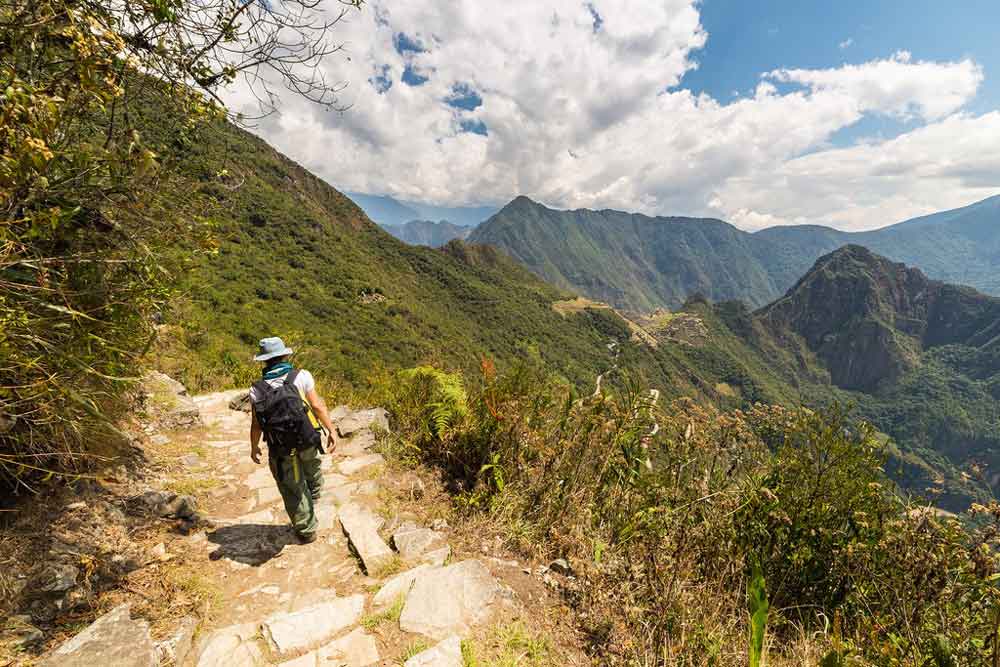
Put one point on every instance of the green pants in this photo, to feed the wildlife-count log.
(300, 481)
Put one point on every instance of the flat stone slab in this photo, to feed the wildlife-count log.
(396, 587)
(359, 463)
(268, 495)
(357, 649)
(113, 639)
(362, 419)
(260, 479)
(361, 527)
(263, 517)
(446, 654)
(235, 645)
(412, 543)
(290, 633)
(451, 600)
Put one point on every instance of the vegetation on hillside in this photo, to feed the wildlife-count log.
(86, 203)
(665, 526)
(640, 263)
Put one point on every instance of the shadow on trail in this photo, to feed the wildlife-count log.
(250, 544)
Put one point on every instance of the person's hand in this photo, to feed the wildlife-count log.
(255, 453)
(331, 441)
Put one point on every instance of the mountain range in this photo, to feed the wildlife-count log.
(428, 233)
(915, 356)
(640, 263)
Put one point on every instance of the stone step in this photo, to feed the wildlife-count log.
(289, 634)
(361, 527)
(235, 645)
(362, 419)
(452, 600)
(113, 639)
(412, 542)
(396, 587)
(357, 464)
(356, 649)
(448, 653)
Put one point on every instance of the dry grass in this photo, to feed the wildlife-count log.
(508, 646)
(390, 615)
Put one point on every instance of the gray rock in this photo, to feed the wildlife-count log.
(439, 525)
(438, 557)
(288, 634)
(396, 587)
(448, 653)
(362, 419)
(561, 566)
(190, 460)
(113, 639)
(235, 645)
(19, 633)
(412, 543)
(173, 649)
(58, 578)
(361, 527)
(359, 463)
(179, 507)
(241, 403)
(452, 600)
(356, 649)
(168, 402)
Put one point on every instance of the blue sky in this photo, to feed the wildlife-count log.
(750, 37)
(850, 114)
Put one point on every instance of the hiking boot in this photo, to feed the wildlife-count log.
(306, 538)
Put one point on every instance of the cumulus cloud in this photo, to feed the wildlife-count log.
(582, 104)
(846, 44)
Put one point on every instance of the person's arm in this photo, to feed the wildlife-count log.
(319, 409)
(255, 434)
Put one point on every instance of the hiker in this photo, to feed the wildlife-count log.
(288, 412)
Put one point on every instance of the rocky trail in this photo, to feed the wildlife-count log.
(376, 588)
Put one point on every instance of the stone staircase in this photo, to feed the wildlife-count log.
(309, 605)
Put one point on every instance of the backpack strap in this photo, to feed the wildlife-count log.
(292, 374)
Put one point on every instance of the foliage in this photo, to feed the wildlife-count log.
(663, 512)
(758, 605)
(88, 200)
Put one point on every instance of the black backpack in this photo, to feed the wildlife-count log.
(284, 416)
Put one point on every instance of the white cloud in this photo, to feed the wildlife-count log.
(583, 105)
(896, 86)
(846, 44)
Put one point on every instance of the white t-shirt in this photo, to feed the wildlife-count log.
(304, 381)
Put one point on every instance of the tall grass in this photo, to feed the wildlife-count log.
(664, 528)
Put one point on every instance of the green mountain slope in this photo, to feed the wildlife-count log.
(633, 261)
(297, 258)
(918, 357)
(640, 263)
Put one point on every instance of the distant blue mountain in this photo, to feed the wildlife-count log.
(387, 210)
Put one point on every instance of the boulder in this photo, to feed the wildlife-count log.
(452, 600)
(361, 527)
(411, 543)
(446, 654)
(168, 403)
(362, 419)
(288, 634)
(113, 639)
(18, 633)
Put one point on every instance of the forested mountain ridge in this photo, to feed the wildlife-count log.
(640, 263)
(919, 357)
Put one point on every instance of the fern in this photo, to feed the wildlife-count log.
(445, 402)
